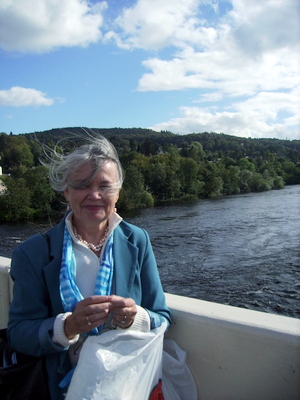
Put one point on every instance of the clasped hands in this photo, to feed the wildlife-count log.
(95, 310)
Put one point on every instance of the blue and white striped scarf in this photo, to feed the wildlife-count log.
(69, 291)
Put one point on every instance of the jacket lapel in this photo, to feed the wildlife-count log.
(52, 269)
(125, 261)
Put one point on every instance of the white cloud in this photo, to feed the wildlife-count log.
(246, 60)
(42, 25)
(23, 97)
(240, 59)
(264, 26)
(273, 103)
(152, 25)
(228, 72)
(210, 97)
(267, 114)
(244, 124)
(234, 61)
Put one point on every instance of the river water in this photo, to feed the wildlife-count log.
(239, 250)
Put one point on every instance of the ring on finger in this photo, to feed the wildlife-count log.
(88, 320)
(113, 325)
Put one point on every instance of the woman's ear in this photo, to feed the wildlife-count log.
(66, 194)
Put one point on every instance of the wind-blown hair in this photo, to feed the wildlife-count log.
(97, 150)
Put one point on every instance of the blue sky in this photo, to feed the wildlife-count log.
(178, 65)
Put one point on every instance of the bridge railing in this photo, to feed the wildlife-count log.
(232, 353)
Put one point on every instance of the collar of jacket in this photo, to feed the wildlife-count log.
(125, 253)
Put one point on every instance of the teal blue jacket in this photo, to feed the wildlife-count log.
(36, 300)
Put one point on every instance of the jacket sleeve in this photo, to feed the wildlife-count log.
(153, 297)
(30, 324)
(144, 282)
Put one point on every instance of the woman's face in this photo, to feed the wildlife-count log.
(93, 203)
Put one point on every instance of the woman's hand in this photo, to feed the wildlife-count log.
(94, 311)
(88, 314)
(124, 311)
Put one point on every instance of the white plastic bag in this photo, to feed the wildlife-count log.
(119, 365)
(177, 380)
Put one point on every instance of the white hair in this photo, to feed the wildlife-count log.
(97, 149)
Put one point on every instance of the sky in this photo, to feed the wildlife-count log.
(184, 66)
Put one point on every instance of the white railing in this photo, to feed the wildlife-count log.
(233, 353)
(5, 291)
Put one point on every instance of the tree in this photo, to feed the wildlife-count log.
(158, 166)
(230, 177)
(268, 178)
(41, 193)
(214, 187)
(16, 153)
(188, 174)
(156, 178)
(15, 203)
(133, 145)
(213, 182)
(149, 147)
(244, 163)
(291, 172)
(278, 183)
(133, 194)
(245, 180)
(258, 183)
(196, 152)
(193, 150)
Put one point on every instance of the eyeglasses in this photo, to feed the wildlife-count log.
(108, 191)
(105, 191)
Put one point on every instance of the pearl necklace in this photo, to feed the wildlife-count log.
(91, 246)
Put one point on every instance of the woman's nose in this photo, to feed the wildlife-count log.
(95, 192)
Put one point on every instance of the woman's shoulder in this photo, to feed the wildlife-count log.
(40, 241)
(129, 229)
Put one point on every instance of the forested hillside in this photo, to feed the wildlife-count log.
(159, 167)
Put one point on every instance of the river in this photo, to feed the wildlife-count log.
(239, 250)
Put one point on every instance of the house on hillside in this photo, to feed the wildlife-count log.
(2, 187)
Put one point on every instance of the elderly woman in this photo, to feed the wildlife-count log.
(91, 272)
